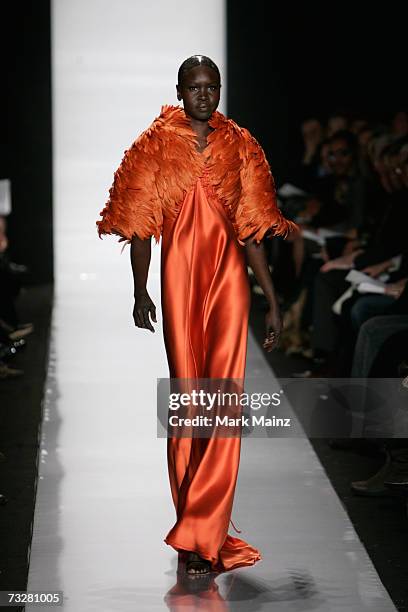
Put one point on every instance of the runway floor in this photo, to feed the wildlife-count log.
(103, 503)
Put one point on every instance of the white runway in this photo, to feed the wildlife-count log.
(103, 502)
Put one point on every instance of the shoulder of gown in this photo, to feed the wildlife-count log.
(132, 207)
(255, 207)
(145, 185)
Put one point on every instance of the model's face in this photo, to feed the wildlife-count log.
(200, 92)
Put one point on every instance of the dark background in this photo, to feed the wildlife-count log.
(26, 143)
(286, 63)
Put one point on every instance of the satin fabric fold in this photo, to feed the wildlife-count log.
(205, 305)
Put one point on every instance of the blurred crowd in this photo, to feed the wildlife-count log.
(346, 305)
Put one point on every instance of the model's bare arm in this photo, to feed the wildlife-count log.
(257, 260)
(140, 254)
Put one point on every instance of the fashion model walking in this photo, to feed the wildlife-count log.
(202, 184)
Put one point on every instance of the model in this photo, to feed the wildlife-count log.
(202, 184)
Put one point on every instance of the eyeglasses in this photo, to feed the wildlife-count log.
(332, 155)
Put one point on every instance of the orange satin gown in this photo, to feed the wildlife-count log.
(205, 304)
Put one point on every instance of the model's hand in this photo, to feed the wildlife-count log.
(143, 308)
(273, 325)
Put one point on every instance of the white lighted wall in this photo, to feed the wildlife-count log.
(103, 505)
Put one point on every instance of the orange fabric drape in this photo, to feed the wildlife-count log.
(205, 306)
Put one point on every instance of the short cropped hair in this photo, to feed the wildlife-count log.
(192, 62)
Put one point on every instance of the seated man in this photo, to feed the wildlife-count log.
(380, 352)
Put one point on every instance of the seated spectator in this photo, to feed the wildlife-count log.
(358, 308)
(372, 335)
(342, 193)
(340, 198)
(311, 166)
(381, 349)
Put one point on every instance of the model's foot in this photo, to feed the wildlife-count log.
(197, 565)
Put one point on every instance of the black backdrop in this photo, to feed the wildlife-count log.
(285, 62)
(25, 150)
(289, 60)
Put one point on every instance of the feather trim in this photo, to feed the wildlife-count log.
(242, 179)
(152, 179)
(163, 164)
(258, 213)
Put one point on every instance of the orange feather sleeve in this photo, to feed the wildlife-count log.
(133, 206)
(257, 212)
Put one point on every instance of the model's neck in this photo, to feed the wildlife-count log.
(201, 128)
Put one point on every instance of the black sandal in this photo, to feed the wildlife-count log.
(197, 563)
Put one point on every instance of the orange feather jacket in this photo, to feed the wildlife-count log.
(163, 164)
